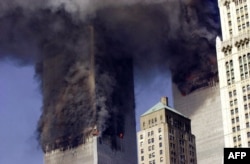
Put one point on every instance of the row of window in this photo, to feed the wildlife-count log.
(234, 111)
(236, 119)
(151, 133)
(232, 93)
(246, 88)
(246, 97)
(239, 2)
(244, 62)
(237, 128)
(241, 9)
(242, 46)
(227, 51)
(240, 145)
(235, 139)
(152, 122)
(151, 156)
(151, 140)
(233, 102)
(239, 137)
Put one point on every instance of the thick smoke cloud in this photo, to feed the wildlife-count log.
(56, 36)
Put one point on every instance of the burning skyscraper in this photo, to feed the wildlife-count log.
(85, 52)
(93, 111)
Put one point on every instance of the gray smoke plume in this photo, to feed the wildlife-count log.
(56, 36)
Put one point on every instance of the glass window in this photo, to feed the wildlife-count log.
(243, 89)
(248, 134)
(160, 144)
(248, 87)
(234, 92)
(159, 130)
(236, 102)
(153, 154)
(236, 110)
(231, 103)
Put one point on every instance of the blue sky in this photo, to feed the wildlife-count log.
(20, 103)
(20, 108)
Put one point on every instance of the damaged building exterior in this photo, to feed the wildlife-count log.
(220, 112)
(91, 124)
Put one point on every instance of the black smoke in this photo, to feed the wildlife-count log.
(56, 36)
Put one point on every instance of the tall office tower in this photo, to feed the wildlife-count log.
(233, 55)
(88, 114)
(203, 107)
(165, 136)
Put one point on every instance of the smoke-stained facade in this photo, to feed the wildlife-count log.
(94, 116)
(93, 96)
(85, 51)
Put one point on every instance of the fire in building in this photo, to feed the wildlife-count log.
(92, 114)
(85, 55)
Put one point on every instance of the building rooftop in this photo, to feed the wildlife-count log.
(161, 105)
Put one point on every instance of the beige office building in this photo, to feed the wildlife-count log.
(233, 55)
(165, 137)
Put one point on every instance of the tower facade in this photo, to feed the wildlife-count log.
(89, 111)
(203, 107)
(165, 136)
(233, 55)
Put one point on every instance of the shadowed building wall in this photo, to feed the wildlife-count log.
(203, 107)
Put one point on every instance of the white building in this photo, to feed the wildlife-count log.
(165, 137)
(233, 55)
(203, 107)
(95, 151)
